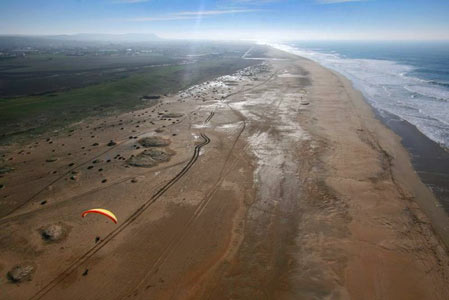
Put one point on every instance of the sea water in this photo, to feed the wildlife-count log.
(406, 79)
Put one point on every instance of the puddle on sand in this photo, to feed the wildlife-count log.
(274, 147)
(291, 76)
(229, 126)
(199, 126)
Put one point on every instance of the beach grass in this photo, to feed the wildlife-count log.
(37, 114)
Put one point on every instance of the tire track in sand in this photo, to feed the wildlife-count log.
(82, 259)
(177, 239)
(48, 287)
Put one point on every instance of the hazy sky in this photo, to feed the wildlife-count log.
(225, 19)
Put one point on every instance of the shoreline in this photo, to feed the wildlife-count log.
(415, 165)
(430, 161)
(407, 162)
(281, 184)
(392, 211)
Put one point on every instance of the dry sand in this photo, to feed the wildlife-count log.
(273, 183)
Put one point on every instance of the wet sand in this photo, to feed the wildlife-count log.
(281, 184)
(430, 160)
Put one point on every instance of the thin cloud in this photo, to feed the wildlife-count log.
(256, 1)
(131, 1)
(245, 3)
(214, 12)
(186, 15)
(337, 1)
(166, 18)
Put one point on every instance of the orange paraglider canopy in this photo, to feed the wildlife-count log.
(101, 211)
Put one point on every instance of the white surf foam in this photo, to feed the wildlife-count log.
(388, 88)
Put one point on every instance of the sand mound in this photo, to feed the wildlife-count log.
(150, 158)
(160, 155)
(172, 115)
(20, 273)
(154, 141)
(53, 232)
(5, 170)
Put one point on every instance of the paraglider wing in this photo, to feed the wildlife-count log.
(101, 211)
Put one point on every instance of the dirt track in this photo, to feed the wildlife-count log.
(283, 186)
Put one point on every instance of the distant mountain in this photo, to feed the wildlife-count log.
(75, 40)
(127, 37)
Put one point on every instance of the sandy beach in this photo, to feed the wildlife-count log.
(276, 182)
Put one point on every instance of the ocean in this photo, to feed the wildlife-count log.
(407, 79)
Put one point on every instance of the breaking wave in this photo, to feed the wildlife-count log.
(390, 87)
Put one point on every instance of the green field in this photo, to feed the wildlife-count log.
(47, 73)
(27, 115)
(48, 70)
